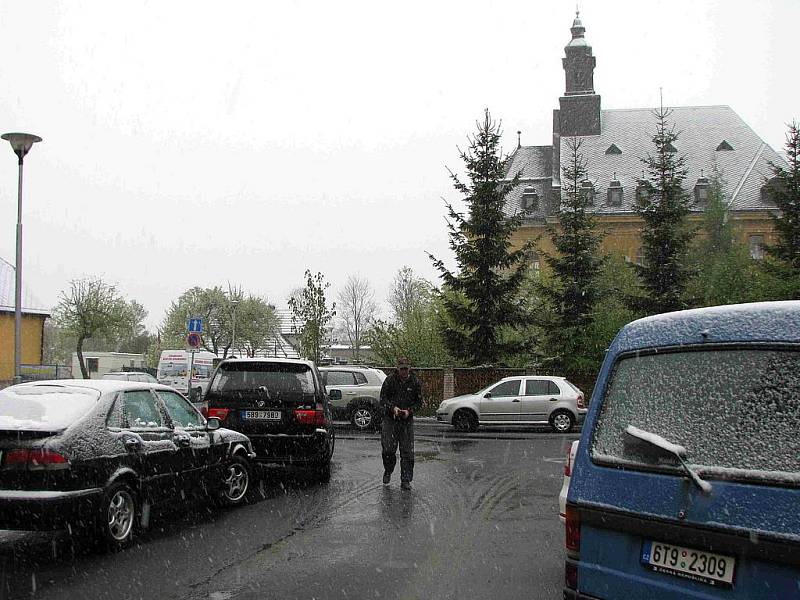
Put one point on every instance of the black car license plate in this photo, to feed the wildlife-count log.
(261, 415)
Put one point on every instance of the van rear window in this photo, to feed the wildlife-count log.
(736, 411)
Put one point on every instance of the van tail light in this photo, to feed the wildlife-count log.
(310, 417)
(568, 464)
(581, 401)
(220, 413)
(38, 459)
(572, 530)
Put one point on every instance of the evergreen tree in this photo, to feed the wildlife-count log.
(784, 191)
(481, 298)
(571, 293)
(664, 207)
(724, 270)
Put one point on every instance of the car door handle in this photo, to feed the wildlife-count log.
(553, 399)
(515, 400)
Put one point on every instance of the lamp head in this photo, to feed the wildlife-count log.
(21, 143)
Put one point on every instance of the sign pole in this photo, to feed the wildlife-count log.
(191, 368)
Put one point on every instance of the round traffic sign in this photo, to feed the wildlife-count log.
(193, 340)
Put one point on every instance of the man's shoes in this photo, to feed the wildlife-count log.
(386, 478)
(405, 485)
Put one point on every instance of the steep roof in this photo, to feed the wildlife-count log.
(531, 162)
(30, 304)
(701, 131)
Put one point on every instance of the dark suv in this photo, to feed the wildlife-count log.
(281, 405)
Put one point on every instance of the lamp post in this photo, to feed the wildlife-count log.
(234, 304)
(21, 143)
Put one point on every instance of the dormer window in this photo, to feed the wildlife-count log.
(530, 199)
(614, 193)
(587, 192)
(701, 191)
(724, 146)
(668, 147)
(642, 195)
(613, 149)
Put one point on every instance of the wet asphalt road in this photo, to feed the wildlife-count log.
(480, 522)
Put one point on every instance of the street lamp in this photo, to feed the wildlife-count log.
(21, 143)
(234, 304)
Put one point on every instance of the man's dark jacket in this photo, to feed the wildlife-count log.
(405, 394)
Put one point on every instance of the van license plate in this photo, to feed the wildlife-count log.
(697, 565)
(261, 415)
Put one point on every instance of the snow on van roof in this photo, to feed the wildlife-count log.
(754, 322)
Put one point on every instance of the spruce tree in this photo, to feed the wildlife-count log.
(481, 297)
(664, 207)
(784, 191)
(572, 292)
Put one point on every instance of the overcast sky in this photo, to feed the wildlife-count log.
(201, 143)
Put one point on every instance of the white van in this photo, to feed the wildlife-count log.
(173, 367)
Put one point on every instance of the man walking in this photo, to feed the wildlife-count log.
(401, 397)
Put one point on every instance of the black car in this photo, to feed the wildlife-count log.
(94, 456)
(281, 405)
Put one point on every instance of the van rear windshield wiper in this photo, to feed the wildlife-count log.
(676, 451)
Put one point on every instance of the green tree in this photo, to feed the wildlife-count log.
(724, 271)
(483, 307)
(256, 325)
(414, 330)
(664, 207)
(572, 291)
(784, 191)
(356, 311)
(213, 306)
(311, 316)
(92, 308)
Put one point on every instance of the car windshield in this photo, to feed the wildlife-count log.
(736, 411)
(281, 379)
(44, 408)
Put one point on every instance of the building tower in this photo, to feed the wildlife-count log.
(579, 106)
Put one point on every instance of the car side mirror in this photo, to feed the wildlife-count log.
(487, 395)
(335, 394)
(213, 423)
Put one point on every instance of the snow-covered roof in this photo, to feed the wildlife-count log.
(30, 304)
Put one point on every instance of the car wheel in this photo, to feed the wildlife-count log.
(118, 516)
(322, 473)
(562, 421)
(363, 417)
(465, 420)
(235, 482)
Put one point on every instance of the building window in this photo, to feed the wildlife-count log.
(701, 189)
(535, 264)
(642, 194)
(724, 146)
(640, 256)
(530, 199)
(668, 147)
(92, 365)
(587, 192)
(614, 193)
(613, 149)
(756, 244)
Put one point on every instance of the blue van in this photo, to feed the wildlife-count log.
(686, 482)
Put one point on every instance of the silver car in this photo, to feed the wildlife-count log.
(355, 394)
(521, 400)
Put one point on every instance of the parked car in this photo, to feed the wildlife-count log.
(521, 400)
(130, 376)
(94, 455)
(360, 397)
(562, 495)
(686, 481)
(281, 405)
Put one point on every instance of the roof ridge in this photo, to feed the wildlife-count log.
(668, 108)
(8, 263)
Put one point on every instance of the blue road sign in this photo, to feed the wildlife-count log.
(195, 326)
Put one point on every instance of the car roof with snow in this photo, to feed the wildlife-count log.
(766, 322)
(104, 386)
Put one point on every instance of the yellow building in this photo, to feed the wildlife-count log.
(33, 318)
(613, 142)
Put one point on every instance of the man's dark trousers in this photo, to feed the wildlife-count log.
(394, 433)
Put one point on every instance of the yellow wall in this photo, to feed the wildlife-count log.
(623, 232)
(32, 331)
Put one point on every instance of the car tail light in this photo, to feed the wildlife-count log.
(220, 413)
(568, 464)
(581, 401)
(35, 460)
(571, 575)
(204, 411)
(46, 459)
(310, 417)
(572, 530)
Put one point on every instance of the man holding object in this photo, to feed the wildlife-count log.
(401, 397)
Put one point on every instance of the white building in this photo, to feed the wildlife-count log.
(100, 363)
